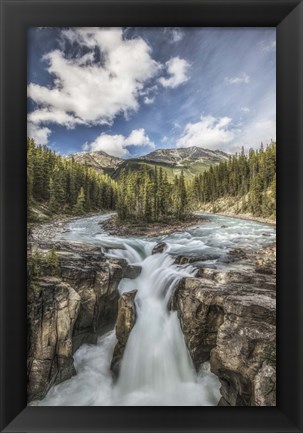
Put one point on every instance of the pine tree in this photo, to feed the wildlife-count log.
(79, 208)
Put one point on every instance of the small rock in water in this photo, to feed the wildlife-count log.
(159, 248)
(132, 271)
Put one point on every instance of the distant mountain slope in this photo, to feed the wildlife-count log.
(187, 155)
(192, 160)
(99, 160)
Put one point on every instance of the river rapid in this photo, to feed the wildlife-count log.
(156, 368)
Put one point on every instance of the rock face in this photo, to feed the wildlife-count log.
(125, 322)
(53, 308)
(95, 278)
(64, 312)
(229, 318)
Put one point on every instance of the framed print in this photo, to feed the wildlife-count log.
(139, 281)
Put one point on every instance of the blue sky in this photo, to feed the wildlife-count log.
(131, 91)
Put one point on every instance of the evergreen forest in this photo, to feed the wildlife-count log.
(62, 186)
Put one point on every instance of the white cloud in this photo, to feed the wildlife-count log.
(53, 115)
(176, 35)
(117, 145)
(40, 135)
(244, 109)
(243, 78)
(210, 132)
(148, 100)
(91, 92)
(177, 69)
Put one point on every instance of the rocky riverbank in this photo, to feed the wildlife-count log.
(70, 308)
(229, 318)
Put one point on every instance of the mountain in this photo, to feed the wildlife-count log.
(192, 160)
(185, 156)
(99, 160)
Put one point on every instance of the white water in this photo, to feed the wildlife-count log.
(156, 368)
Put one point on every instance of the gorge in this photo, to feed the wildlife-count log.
(189, 323)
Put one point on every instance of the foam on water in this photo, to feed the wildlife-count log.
(156, 368)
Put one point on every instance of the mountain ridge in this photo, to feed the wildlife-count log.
(193, 159)
(187, 154)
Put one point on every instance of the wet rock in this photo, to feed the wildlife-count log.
(234, 255)
(228, 316)
(225, 276)
(159, 248)
(124, 324)
(197, 259)
(199, 317)
(239, 355)
(96, 281)
(265, 386)
(267, 270)
(132, 271)
(65, 312)
(53, 307)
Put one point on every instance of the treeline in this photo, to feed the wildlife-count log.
(147, 195)
(64, 186)
(249, 179)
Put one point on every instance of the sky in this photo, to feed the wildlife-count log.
(129, 91)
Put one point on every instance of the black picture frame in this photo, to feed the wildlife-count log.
(16, 17)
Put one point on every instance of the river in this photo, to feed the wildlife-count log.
(156, 368)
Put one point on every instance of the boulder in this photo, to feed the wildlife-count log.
(159, 248)
(132, 271)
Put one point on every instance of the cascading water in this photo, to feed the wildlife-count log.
(156, 368)
(156, 362)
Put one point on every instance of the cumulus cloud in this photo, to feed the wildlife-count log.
(53, 115)
(177, 70)
(209, 132)
(117, 145)
(95, 86)
(40, 135)
(243, 78)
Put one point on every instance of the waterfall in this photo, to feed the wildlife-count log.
(156, 368)
(156, 359)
